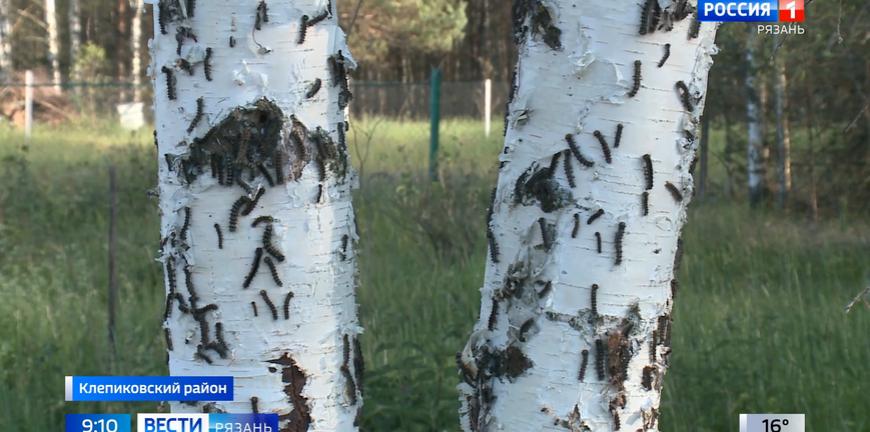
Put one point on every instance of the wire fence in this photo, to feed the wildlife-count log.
(54, 103)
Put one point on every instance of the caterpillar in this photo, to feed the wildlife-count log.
(569, 170)
(204, 332)
(265, 173)
(303, 30)
(685, 98)
(168, 336)
(262, 15)
(636, 85)
(167, 311)
(576, 229)
(182, 305)
(345, 239)
(595, 217)
(199, 313)
(359, 365)
(598, 241)
(524, 328)
(263, 219)
(604, 147)
(594, 302)
(201, 355)
(278, 162)
(618, 138)
(185, 66)
(350, 386)
(169, 269)
(254, 307)
(186, 225)
(220, 236)
(274, 271)
(576, 151)
(314, 89)
(584, 362)
(267, 244)
(252, 204)
(255, 401)
(644, 203)
(653, 346)
(162, 17)
(207, 63)
(554, 163)
(695, 28)
(675, 192)
(546, 290)
(191, 5)
(319, 194)
(599, 359)
(269, 303)
(545, 234)
(232, 41)
(200, 104)
(234, 212)
(219, 333)
(493, 246)
(666, 55)
(648, 171)
(620, 234)
(617, 424)
(678, 255)
(287, 299)
(645, 16)
(493, 315)
(345, 351)
(170, 82)
(188, 281)
(316, 20)
(258, 254)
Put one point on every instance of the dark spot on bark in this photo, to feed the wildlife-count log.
(536, 184)
(515, 362)
(294, 379)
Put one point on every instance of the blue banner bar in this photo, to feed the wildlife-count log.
(738, 10)
(242, 422)
(97, 423)
(148, 388)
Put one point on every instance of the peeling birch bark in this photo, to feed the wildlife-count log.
(596, 174)
(755, 165)
(255, 194)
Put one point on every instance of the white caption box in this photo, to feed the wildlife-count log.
(772, 423)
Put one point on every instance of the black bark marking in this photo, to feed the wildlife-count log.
(294, 379)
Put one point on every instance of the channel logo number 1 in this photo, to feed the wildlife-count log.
(791, 10)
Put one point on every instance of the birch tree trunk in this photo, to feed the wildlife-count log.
(596, 173)
(5, 35)
(136, 49)
(755, 141)
(53, 43)
(783, 137)
(75, 30)
(255, 195)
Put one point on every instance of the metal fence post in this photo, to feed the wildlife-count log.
(435, 118)
(487, 106)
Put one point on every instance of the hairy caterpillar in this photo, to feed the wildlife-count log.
(220, 235)
(232, 42)
(645, 16)
(648, 171)
(569, 170)
(576, 151)
(254, 307)
(595, 217)
(316, 20)
(584, 361)
(546, 235)
(255, 401)
(594, 302)
(170, 82)
(359, 365)
(207, 63)
(274, 271)
(266, 175)
(169, 269)
(258, 254)
(262, 15)
(314, 89)
(653, 346)
(666, 55)
(186, 225)
(493, 315)
(185, 66)
(350, 385)
(269, 303)
(644, 203)
(599, 359)
(263, 219)
(554, 163)
(524, 328)
(546, 290)
(200, 105)
(685, 97)
(598, 241)
(490, 235)
(269, 247)
(234, 212)
(620, 233)
(201, 355)
(576, 229)
(675, 192)
(168, 337)
(303, 30)
(162, 17)
(287, 299)
(278, 162)
(636, 85)
(252, 204)
(618, 138)
(695, 28)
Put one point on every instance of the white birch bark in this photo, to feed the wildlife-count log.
(783, 136)
(75, 29)
(522, 366)
(755, 139)
(53, 43)
(5, 35)
(300, 361)
(136, 48)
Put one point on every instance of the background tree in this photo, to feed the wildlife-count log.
(595, 177)
(257, 223)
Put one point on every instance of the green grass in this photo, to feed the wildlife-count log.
(759, 319)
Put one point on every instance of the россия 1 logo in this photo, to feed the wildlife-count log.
(791, 11)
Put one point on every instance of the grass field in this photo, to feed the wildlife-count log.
(759, 319)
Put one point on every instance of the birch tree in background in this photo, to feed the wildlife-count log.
(755, 165)
(75, 29)
(575, 324)
(783, 136)
(255, 195)
(53, 43)
(136, 49)
(5, 37)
